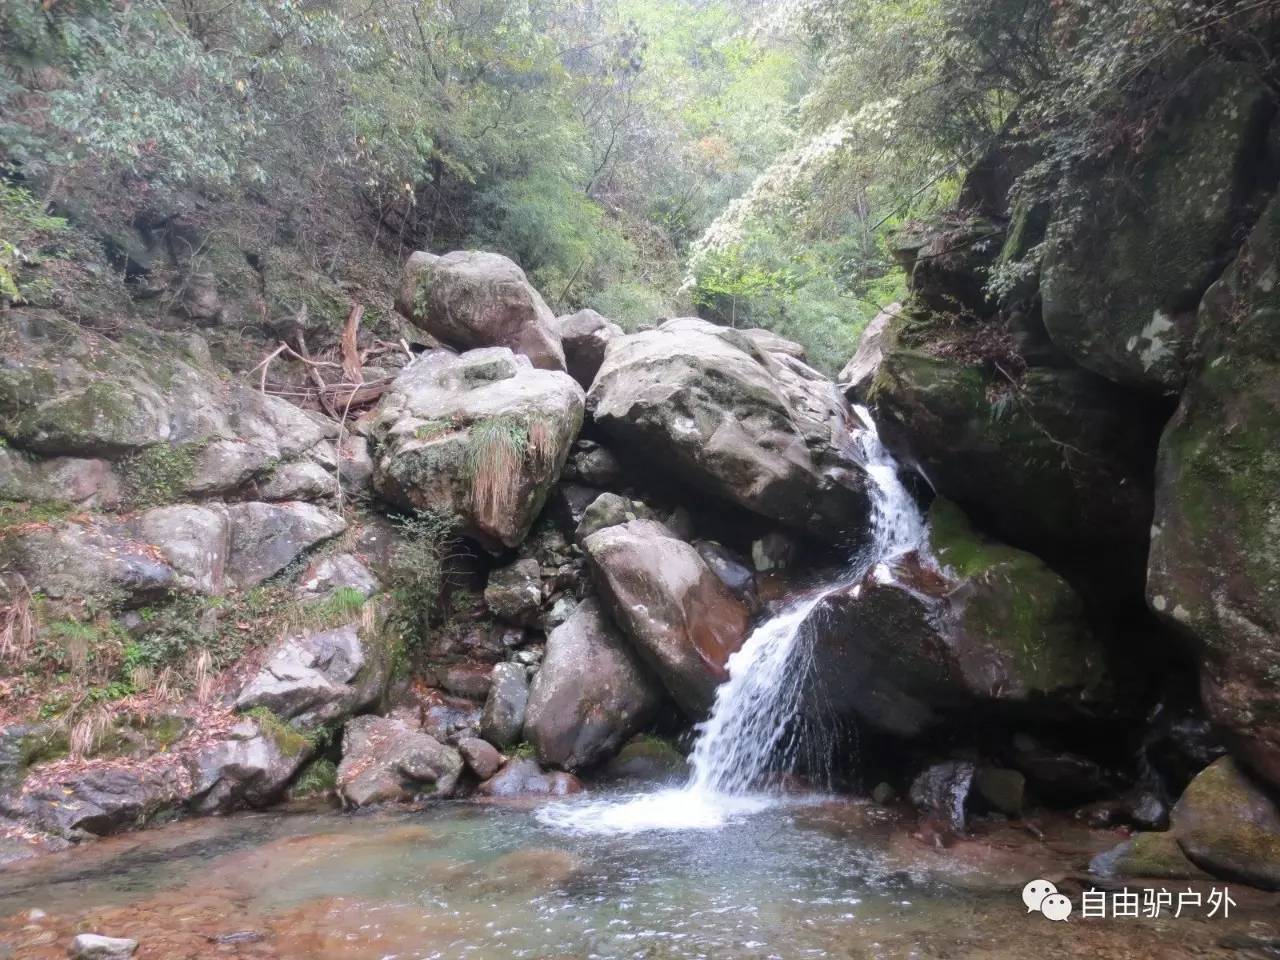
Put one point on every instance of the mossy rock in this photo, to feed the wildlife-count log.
(1057, 461)
(649, 759)
(1153, 855)
(1226, 824)
(1136, 241)
(1215, 549)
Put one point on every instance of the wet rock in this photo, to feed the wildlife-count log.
(481, 756)
(470, 298)
(591, 693)
(773, 551)
(943, 791)
(1059, 774)
(504, 709)
(1155, 855)
(1006, 470)
(386, 759)
(1228, 826)
(526, 778)
(648, 760)
(250, 768)
(91, 946)
(1126, 265)
(1214, 563)
(750, 425)
(732, 571)
(584, 336)
(610, 510)
(482, 436)
(318, 676)
(341, 571)
(102, 798)
(979, 624)
(267, 537)
(682, 619)
(856, 376)
(514, 592)
(451, 719)
(568, 504)
(472, 679)
(1002, 789)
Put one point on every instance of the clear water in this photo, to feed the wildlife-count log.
(836, 880)
(755, 731)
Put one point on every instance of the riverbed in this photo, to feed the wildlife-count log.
(802, 878)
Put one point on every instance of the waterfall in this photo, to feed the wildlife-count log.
(754, 724)
(754, 728)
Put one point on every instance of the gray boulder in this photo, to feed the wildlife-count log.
(682, 619)
(751, 425)
(856, 376)
(101, 799)
(1214, 567)
(65, 390)
(525, 778)
(386, 759)
(341, 571)
(584, 336)
(86, 482)
(482, 436)
(481, 756)
(1130, 254)
(249, 768)
(315, 677)
(194, 540)
(267, 537)
(609, 510)
(504, 707)
(470, 299)
(514, 592)
(591, 693)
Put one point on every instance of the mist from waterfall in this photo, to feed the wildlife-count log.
(756, 730)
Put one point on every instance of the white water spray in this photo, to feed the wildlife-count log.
(754, 728)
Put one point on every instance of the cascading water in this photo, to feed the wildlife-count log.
(754, 728)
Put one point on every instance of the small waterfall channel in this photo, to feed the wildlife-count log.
(753, 730)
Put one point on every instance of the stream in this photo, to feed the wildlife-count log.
(723, 867)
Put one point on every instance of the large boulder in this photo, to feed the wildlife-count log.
(65, 390)
(469, 298)
(585, 335)
(969, 625)
(481, 436)
(856, 375)
(514, 592)
(1228, 826)
(525, 778)
(591, 693)
(83, 481)
(266, 537)
(386, 759)
(1215, 548)
(681, 617)
(186, 547)
(318, 676)
(504, 707)
(720, 409)
(99, 798)
(250, 767)
(1057, 462)
(1137, 240)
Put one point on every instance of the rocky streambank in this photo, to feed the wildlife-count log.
(522, 566)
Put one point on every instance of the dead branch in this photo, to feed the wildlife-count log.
(350, 349)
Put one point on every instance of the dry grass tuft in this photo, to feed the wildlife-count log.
(17, 625)
(495, 451)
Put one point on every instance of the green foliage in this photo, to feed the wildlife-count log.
(157, 475)
(318, 777)
(289, 739)
(342, 606)
(26, 231)
(416, 575)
